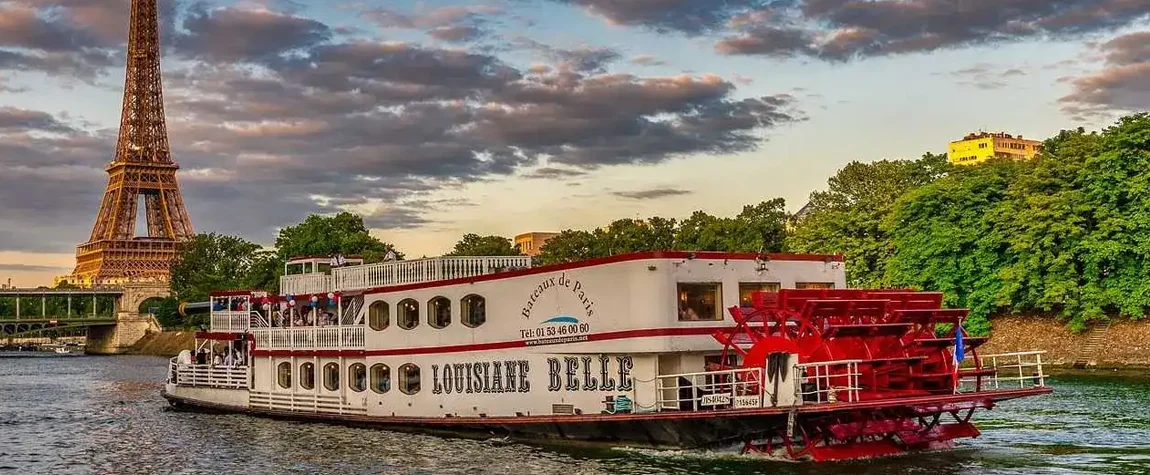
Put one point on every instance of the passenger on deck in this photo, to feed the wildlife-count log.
(217, 360)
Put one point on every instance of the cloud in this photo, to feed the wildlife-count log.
(581, 59)
(14, 120)
(78, 39)
(31, 268)
(840, 30)
(210, 34)
(552, 173)
(1123, 83)
(456, 24)
(273, 116)
(651, 194)
(985, 76)
(685, 16)
(647, 60)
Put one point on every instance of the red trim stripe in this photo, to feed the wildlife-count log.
(498, 345)
(636, 256)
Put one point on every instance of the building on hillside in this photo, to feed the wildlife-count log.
(530, 243)
(982, 146)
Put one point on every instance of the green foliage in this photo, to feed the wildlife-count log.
(213, 262)
(476, 245)
(319, 235)
(944, 239)
(1067, 233)
(1079, 226)
(758, 228)
(847, 218)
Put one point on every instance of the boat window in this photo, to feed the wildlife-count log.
(283, 375)
(474, 310)
(378, 315)
(380, 378)
(409, 378)
(358, 379)
(408, 314)
(748, 288)
(700, 301)
(331, 376)
(307, 376)
(439, 312)
(814, 285)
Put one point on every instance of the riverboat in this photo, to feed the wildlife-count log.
(766, 353)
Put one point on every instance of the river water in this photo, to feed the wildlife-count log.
(105, 415)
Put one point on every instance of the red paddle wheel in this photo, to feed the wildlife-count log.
(898, 343)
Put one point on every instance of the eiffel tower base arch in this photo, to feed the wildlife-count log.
(131, 326)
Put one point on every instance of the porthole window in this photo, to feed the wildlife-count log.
(378, 315)
(408, 313)
(439, 312)
(409, 379)
(307, 376)
(331, 376)
(474, 311)
(357, 380)
(283, 375)
(380, 378)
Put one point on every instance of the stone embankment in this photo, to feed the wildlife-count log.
(1125, 344)
(166, 343)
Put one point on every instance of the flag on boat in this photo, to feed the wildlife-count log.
(959, 351)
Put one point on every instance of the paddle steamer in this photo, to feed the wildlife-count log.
(769, 353)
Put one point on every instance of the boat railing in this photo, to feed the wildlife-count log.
(827, 381)
(305, 284)
(314, 338)
(421, 270)
(723, 389)
(1020, 370)
(286, 401)
(209, 376)
(230, 320)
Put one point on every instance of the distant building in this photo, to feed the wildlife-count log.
(83, 282)
(798, 216)
(980, 147)
(530, 243)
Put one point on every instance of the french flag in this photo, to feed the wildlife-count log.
(959, 352)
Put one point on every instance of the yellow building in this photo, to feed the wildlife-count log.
(530, 243)
(980, 147)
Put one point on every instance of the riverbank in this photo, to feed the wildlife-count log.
(166, 343)
(1124, 346)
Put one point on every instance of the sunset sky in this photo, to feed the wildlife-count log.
(437, 118)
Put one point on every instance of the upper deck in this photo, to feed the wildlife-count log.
(317, 276)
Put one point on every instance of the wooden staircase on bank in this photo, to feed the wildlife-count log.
(1094, 341)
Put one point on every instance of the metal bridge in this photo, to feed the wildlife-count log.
(25, 312)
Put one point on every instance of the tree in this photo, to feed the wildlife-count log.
(343, 233)
(211, 262)
(944, 238)
(476, 245)
(1078, 226)
(847, 218)
(570, 245)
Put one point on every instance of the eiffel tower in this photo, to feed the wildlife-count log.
(142, 168)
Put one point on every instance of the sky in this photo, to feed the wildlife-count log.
(436, 118)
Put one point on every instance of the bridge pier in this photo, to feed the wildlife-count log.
(131, 325)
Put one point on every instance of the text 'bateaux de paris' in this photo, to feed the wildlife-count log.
(560, 282)
(583, 373)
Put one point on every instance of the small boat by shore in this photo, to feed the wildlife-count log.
(659, 349)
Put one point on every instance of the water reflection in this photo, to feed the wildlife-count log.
(104, 415)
